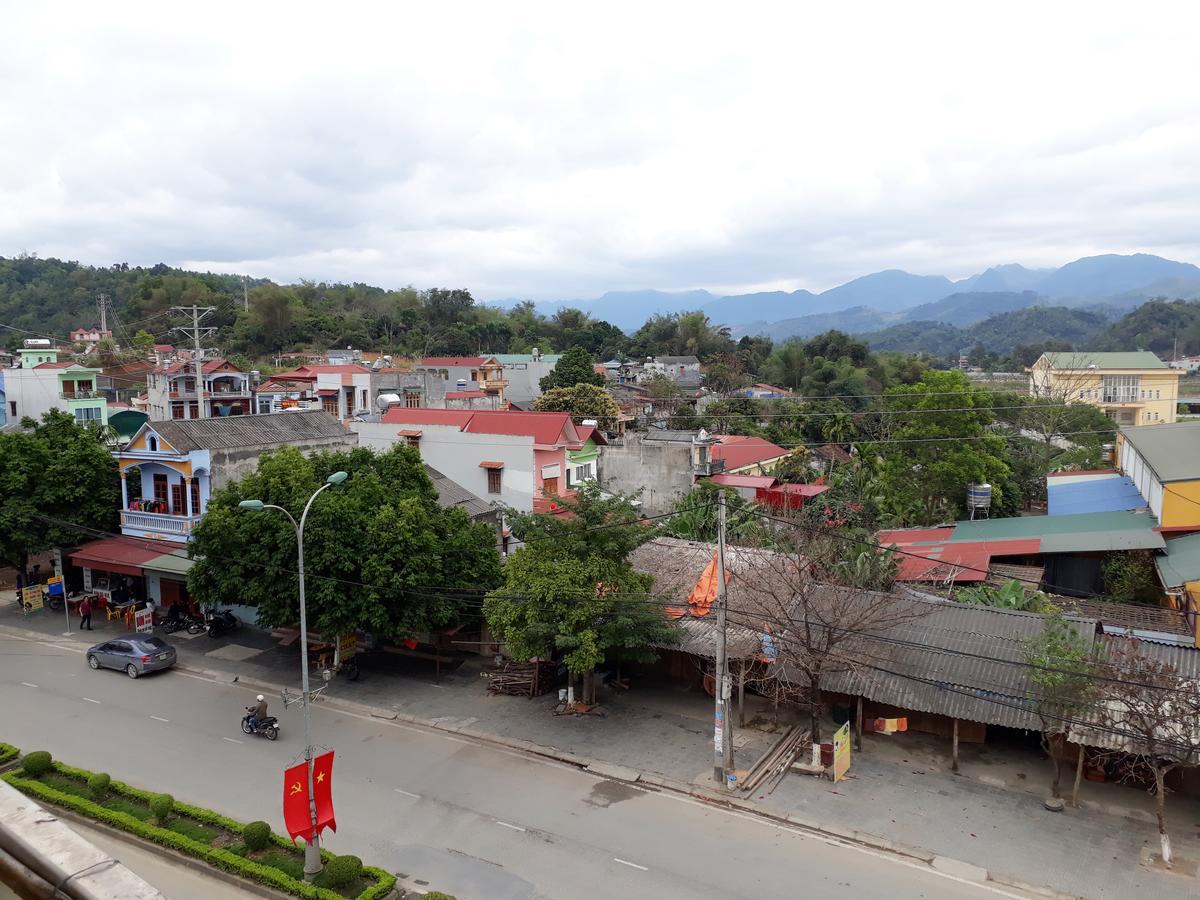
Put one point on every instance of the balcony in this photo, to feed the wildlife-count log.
(155, 524)
(709, 467)
(81, 395)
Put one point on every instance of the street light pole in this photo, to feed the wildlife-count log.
(312, 847)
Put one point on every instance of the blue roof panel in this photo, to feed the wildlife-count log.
(1093, 496)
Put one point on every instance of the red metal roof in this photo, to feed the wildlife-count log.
(746, 481)
(543, 427)
(739, 452)
(914, 535)
(398, 415)
(122, 555)
(960, 560)
(800, 490)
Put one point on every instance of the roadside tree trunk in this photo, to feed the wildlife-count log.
(1160, 812)
(1078, 776)
(1050, 742)
(814, 706)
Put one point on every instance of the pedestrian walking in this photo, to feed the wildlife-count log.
(85, 614)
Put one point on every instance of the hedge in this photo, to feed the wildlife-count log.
(8, 753)
(217, 857)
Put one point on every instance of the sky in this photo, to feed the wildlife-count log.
(558, 150)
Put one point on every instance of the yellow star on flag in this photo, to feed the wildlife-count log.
(320, 777)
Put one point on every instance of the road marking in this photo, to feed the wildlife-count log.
(506, 825)
(408, 793)
(90, 700)
(626, 862)
(159, 719)
(231, 740)
(27, 684)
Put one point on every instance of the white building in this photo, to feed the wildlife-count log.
(42, 383)
(226, 391)
(524, 372)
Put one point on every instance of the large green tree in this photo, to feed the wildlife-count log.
(582, 401)
(575, 367)
(58, 482)
(380, 554)
(570, 592)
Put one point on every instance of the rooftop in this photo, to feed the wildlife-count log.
(544, 427)
(677, 360)
(452, 494)
(1172, 451)
(1091, 492)
(456, 361)
(1136, 359)
(739, 452)
(187, 367)
(232, 432)
(1181, 562)
(509, 359)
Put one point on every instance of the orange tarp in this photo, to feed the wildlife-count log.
(703, 595)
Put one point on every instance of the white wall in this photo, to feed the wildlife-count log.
(35, 391)
(1143, 477)
(457, 455)
(524, 380)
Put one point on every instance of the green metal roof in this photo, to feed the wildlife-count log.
(1083, 533)
(1137, 359)
(1172, 451)
(1181, 563)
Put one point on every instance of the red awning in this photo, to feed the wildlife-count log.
(324, 392)
(491, 464)
(409, 432)
(121, 555)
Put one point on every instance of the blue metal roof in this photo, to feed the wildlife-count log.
(1068, 496)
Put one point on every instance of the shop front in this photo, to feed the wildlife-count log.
(124, 571)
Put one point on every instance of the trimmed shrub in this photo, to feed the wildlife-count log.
(342, 870)
(437, 895)
(8, 753)
(37, 763)
(162, 805)
(98, 785)
(257, 835)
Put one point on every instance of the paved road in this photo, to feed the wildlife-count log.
(475, 821)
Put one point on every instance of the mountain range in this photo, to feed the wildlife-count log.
(1109, 283)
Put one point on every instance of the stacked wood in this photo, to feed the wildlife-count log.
(521, 679)
(774, 764)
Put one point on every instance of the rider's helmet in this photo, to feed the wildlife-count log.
(260, 698)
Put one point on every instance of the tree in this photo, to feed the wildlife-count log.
(55, 475)
(582, 401)
(1154, 711)
(940, 448)
(721, 378)
(795, 468)
(1062, 684)
(380, 553)
(695, 516)
(575, 367)
(143, 342)
(1010, 595)
(571, 593)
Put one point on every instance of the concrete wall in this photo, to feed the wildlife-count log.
(524, 380)
(230, 465)
(457, 456)
(34, 391)
(661, 470)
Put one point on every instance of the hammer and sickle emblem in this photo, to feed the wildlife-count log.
(295, 789)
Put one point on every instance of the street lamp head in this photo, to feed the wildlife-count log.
(251, 505)
(337, 477)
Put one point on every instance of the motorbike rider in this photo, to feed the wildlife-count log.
(258, 713)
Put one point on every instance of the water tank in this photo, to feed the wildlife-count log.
(386, 400)
(979, 496)
(462, 384)
(37, 343)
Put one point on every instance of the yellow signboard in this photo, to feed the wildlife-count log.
(32, 597)
(841, 752)
(347, 646)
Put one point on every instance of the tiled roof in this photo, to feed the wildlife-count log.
(738, 451)
(188, 367)
(543, 427)
(452, 494)
(232, 432)
(455, 361)
(744, 481)
(399, 415)
(54, 365)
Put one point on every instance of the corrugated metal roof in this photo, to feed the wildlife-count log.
(1092, 494)
(1137, 359)
(958, 660)
(1103, 541)
(1045, 526)
(232, 432)
(1172, 451)
(1181, 563)
(452, 494)
(745, 481)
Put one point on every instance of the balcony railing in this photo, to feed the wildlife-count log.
(81, 395)
(710, 467)
(158, 522)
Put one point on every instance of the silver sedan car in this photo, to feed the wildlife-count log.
(134, 655)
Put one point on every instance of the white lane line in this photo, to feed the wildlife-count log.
(90, 700)
(408, 793)
(74, 648)
(159, 719)
(506, 825)
(27, 684)
(626, 862)
(231, 740)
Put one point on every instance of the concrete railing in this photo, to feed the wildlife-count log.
(160, 522)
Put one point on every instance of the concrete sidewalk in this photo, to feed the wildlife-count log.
(901, 790)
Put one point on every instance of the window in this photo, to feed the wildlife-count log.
(1121, 388)
(330, 405)
(1081, 395)
(152, 443)
(413, 440)
(177, 499)
(89, 415)
(412, 399)
(584, 472)
(12, 408)
(494, 480)
(195, 497)
(1156, 395)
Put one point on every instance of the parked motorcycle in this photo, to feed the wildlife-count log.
(180, 618)
(221, 622)
(268, 727)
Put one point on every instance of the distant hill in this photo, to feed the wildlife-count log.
(1156, 326)
(1108, 275)
(1011, 277)
(999, 334)
(890, 291)
(969, 307)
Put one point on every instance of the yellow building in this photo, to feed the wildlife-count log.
(1134, 388)
(1164, 464)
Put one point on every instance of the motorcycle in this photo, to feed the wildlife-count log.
(220, 622)
(179, 618)
(268, 727)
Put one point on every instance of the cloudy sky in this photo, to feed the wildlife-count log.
(561, 150)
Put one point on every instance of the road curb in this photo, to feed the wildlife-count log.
(610, 771)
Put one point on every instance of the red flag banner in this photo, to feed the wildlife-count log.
(323, 790)
(296, 815)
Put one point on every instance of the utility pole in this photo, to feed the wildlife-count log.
(102, 302)
(198, 313)
(245, 295)
(722, 732)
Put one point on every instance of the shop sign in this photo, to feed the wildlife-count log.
(143, 620)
